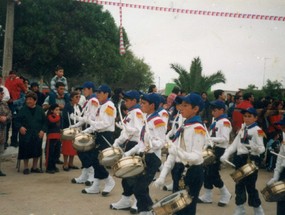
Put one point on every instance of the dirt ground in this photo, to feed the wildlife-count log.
(54, 194)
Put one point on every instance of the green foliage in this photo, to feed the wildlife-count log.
(194, 81)
(80, 37)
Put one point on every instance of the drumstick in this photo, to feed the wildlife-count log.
(120, 114)
(208, 136)
(147, 131)
(272, 152)
(68, 119)
(230, 163)
(107, 141)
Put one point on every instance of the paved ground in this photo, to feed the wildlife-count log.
(47, 194)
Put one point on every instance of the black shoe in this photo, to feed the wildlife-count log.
(133, 211)
(65, 168)
(56, 169)
(73, 167)
(26, 171)
(59, 162)
(88, 183)
(37, 170)
(50, 171)
(2, 174)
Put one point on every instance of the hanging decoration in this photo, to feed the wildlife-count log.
(189, 11)
(122, 46)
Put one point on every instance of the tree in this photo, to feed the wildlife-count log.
(80, 37)
(194, 80)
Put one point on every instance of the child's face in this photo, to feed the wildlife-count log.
(56, 111)
(249, 118)
(187, 110)
(217, 112)
(59, 73)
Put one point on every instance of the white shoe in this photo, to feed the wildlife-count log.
(134, 208)
(109, 185)
(206, 197)
(90, 178)
(225, 197)
(240, 210)
(146, 213)
(82, 178)
(258, 210)
(94, 189)
(123, 204)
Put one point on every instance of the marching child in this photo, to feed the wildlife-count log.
(187, 146)
(249, 145)
(53, 138)
(279, 171)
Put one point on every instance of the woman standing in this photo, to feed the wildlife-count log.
(71, 108)
(31, 123)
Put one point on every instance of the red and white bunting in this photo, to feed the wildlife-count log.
(189, 11)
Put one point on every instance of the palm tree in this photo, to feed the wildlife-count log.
(194, 81)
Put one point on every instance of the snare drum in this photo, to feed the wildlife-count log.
(208, 156)
(243, 172)
(109, 156)
(274, 192)
(172, 203)
(128, 167)
(83, 142)
(69, 133)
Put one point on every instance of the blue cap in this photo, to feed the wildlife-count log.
(218, 104)
(162, 99)
(152, 98)
(193, 99)
(104, 88)
(89, 85)
(249, 110)
(132, 94)
(281, 122)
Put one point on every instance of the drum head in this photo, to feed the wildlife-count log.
(129, 171)
(110, 160)
(83, 142)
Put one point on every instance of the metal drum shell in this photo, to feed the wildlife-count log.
(274, 192)
(109, 156)
(243, 172)
(172, 203)
(129, 166)
(69, 133)
(208, 156)
(84, 142)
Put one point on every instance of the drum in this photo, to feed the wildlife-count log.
(243, 172)
(84, 142)
(274, 192)
(128, 167)
(172, 203)
(69, 133)
(109, 156)
(209, 157)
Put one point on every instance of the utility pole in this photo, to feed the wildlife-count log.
(8, 39)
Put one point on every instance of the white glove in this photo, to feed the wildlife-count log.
(90, 122)
(275, 177)
(116, 144)
(127, 154)
(130, 130)
(74, 126)
(88, 130)
(71, 116)
(223, 159)
(159, 182)
(146, 138)
(119, 125)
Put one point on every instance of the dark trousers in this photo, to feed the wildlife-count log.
(100, 171)
(193, 180)
(142, 182)
(51, 148)
(176, 174)
(212, 175)
(281, 204)
(247, 184)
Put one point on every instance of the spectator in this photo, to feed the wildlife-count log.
(6, 96)
(59, 77)
(31, 123)
(152, 89)
(41, 97)
(220, 95)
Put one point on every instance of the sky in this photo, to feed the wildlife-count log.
(247, 51)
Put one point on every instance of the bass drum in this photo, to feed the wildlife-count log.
(129, 167)
(274, 192)
(208, 156)
(172, 203)
(69, 133)
(109, 156)
(243, 172)
(84, 142)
